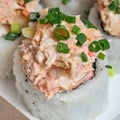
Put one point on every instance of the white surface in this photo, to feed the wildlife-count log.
(9, 92)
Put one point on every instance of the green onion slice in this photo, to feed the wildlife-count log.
(94, 46)
(118, 10)
(89, 24)
(70, 19)
(108, 66)
(104, 44)
(113, 5)
(11, 36)
(101, 56)
(76, 29)
(27, 1)
(84, 57)
(62, 47)
(15, 28)
(65, 1)
(62, 33)
(81, 39)
(43, 21)
(34, 16)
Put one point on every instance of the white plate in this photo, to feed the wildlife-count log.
(9, 92)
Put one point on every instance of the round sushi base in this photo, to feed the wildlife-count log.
(113, 53)
(74, 7)
(84, 103)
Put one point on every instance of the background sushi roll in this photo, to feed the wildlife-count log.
(74, 7)
(113, 53)
(11, 13)
(84, 103)
(109, 13)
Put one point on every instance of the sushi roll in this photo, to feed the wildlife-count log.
(71, 7)
(112, 54)
(109, 12)
(60, 72)
(12, 19)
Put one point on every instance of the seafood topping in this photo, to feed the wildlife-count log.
(61, 54)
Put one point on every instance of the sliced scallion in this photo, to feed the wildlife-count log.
(15, 28)
(27, 1)
(65, 1)
(84, 57)
(70, 19)
(43, 21)
(34, 16)
(113, 5)
(62, 33)
(108, 66)
(62, 47)
(101, 56)
(104, 44)
(81, 39)
(11, 36)
(94, 46)
(76, 29)
(89, 24)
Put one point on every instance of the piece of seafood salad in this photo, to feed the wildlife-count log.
(61, 54)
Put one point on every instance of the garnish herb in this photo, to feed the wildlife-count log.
(62, 47)
(76, 29)
(34, 16)
(89, 24)
(11, 36)
(62, 33)
(65, 1)
(101, 56)
(113, 5)
(15, 28)
(94, 46)
(84, 57)
(81, 39)
(104, 44)
(27, 1)
(108, 66)
(55, 16)
(70, 19)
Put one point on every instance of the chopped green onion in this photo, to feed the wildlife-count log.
(54, 16)
(62, 33)
(34, 16)
(43, 21)
(113, 5)
(65, 1)
(94, 46)
(81, 39)
(111, 72)
(89, 24)
(62, 47)
(11, 36)
(108, 66)
(28, 32)
(76, 29)
(84, 57)
(118, 10)
(27, 1)
(15, 28)
(70, 19)
(104, 44)
(101, 56)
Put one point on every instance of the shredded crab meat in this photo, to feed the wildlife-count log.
(11, 11)
(51, 71)
(107, 18)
